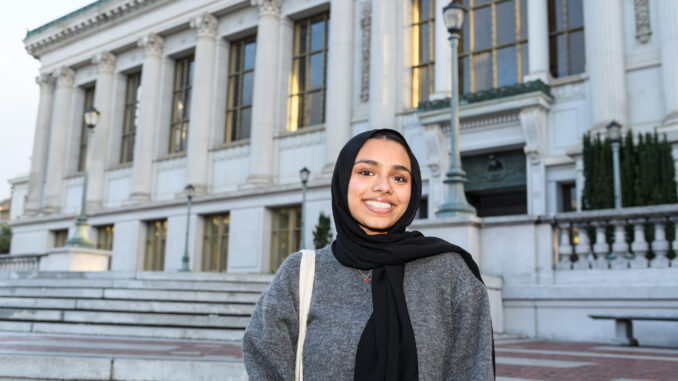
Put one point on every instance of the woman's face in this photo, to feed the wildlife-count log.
(380, 186)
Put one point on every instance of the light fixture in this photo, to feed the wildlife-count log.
(453, 13)
(91, 117)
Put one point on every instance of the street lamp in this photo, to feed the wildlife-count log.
(304, 173)
(614, 133)
(455, 201)
(80, 239)
(189, 191)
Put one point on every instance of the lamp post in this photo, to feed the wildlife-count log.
(80, 238)
(614, 133)
(304, 173)
(455, 199)
(189, 191)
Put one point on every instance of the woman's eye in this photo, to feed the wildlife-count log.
(400, 179)
(365, 172)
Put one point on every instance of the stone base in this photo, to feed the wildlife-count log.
(75, 259)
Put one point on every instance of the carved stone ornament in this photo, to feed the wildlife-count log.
(532, 119)
(206, 24)
(268, 7)
(643, 28)
(105, 61)
(65, 76)
(366, 33)
(152, 44)
(44, 80)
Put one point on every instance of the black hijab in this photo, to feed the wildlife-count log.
(387, 350)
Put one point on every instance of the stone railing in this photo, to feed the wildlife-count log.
(615, 238)
(20, 262)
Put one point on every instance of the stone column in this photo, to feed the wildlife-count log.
(40, 142)
(533, 121)
(538, 40)
(383, 68)
(339, 69)
(442, 54)
(668, 14)
(201, 104)
(264, 92)
(56, 160)
(148, 111)
(103, 97)
(605, 62)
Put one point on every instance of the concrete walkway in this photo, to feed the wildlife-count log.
(29, 356)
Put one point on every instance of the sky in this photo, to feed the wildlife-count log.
(20, 94)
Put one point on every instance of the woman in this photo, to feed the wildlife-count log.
(387, 304)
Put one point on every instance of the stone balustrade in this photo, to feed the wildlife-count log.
(616, 238)
(21, 262)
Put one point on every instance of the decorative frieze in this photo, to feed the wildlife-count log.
(152, 44)
(105, 61)
(229, 153)
(299, 140)
(268, 7)
(206, 24)
(643, 27)
(494, 120)
(366, 33)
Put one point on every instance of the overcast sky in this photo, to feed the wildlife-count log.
(20, 93)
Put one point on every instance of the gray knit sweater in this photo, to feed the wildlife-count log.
(448, 308)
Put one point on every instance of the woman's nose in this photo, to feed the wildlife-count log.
(382, 185)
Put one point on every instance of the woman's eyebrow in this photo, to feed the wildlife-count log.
(376, 164)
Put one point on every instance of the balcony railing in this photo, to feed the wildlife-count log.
(616, 238)
(20, 262)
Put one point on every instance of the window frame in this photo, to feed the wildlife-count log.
(181, 103)
(210, 239)
(155, 244)
(130, 117)
(105, 234)
(291, 233)
(88, 101)
(236, 71)
(416, 38)
(554, 33)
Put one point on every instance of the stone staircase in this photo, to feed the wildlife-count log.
(191, 306)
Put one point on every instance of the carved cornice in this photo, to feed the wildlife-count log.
(643, 28)
(65, 76)
(152, 44)
(45, 81)
(268, 7)
(77, 22)
(206, 24)
(105, 61)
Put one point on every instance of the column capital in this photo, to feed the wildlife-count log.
(65, 76)
(206, 24)
(44, 80)
(152, 43)
(105, 61)
(268, 7)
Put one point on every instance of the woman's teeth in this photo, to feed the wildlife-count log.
(378, 204)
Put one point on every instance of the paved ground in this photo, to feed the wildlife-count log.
(517, 360)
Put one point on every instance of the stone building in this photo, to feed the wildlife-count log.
(236, 96)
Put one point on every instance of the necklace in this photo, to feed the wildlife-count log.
(366, 277)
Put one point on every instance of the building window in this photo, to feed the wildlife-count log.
(89, 102)
(181, 103)
(156, 236)
(240, 86)
(105, 237)
(422, 49)
(493, 47)
(215, 243)
(568, 197)
(422, 212)
(131, 121)
(566, 37)
(285, 234)
(307, 92)
(60, 237)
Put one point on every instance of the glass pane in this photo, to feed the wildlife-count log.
(178, 107)
(245, 123)
(552, 15)
(577, 56)
(559, 15)
(416, 45)
(317, 35)
(553, 56)
(481, 2)
(317, 71)
(247, 83)
(523, 19)
(301, 38)
(525, 51)
(233, 95)
(299, 80)
(575, 14)
(483, 28)
(187, 104)
(235, 57)
(464, 75)
(316, 108)
(465, 43)
(249, 56)
(562, 56)
(424, 83)
(425, 10)
(507, 66)
(424, 43)
(482, 70)
(506, 22)
(190, 72)
(229, 134)
(416, 7)
(296, 112)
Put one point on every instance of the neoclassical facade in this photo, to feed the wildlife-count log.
(234, 97)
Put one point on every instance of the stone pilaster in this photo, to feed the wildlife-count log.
(339, 67)
(605, 62)
(201, 104)
(148, 110)
(56, 161)
(533, 121)
(537, 36)
(442, 54)
(383, 68)
(103, 98)
(668, 14)
(40, 142)
(264, 94)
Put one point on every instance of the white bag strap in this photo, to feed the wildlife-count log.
(306, 275)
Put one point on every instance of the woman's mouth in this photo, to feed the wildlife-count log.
(378, 206)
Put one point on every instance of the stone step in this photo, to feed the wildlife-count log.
(127, 306)
(52, 292)
(137, 284)
(146, 275)
(136, 294)
(218, 334)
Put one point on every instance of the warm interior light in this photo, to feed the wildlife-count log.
(91, 117)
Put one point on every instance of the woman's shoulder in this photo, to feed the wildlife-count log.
(449, 265)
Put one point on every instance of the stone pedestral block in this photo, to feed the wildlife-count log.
(75, 259)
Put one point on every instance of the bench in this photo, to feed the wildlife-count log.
(624, 325)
